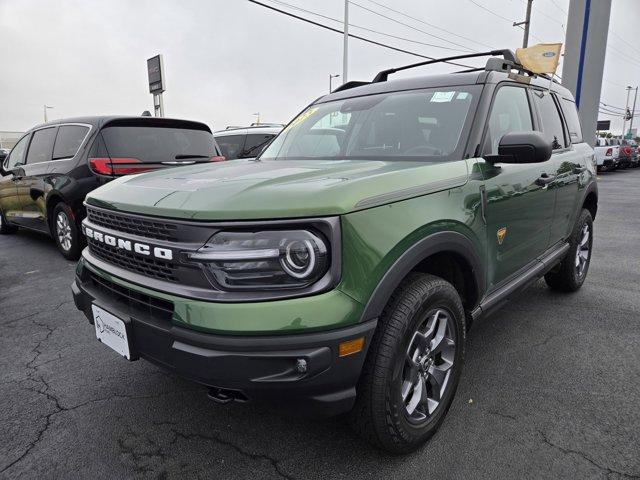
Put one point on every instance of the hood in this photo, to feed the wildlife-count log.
(268, 189)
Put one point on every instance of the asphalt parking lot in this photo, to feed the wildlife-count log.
(551, 388)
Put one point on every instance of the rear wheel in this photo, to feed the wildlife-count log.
(413, 365)
(571, 273)
(5, 227)
(65, 232)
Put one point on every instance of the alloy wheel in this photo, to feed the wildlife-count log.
(583, 251)
(428, 365)
(63, 230)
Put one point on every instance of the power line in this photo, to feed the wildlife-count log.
(491, 11)
(511, 21)
(364, 39)
(295, 7)
(430, 24)
(410, 26)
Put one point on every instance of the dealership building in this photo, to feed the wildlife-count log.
(9, 139)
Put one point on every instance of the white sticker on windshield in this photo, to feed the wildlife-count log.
(440, 97)
(462, 96)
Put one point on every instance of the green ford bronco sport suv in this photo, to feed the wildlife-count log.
(339, 271)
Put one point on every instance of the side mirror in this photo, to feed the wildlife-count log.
(522, 147)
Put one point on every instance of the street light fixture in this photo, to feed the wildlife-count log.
(46, 107)
(331, 77)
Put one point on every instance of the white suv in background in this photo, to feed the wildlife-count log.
(245, 142)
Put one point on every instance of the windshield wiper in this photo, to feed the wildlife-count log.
(187, 156)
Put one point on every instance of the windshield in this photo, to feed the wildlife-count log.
(412, 125)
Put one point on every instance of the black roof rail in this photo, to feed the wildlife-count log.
(508, 55)
(350, 84)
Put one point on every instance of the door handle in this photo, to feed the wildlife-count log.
(577, 168)
(544, 180)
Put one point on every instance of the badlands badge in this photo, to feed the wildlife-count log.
(502, 232)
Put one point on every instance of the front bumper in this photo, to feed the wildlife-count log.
(246, 367)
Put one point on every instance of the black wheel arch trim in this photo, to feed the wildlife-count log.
(447, 241)
(591, 188)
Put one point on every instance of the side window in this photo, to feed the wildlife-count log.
(573, 120)
(550, 118)
(231, 145)
(41, 145)
(254, 143)
(68, 141)
(16, 157)
(510, 113)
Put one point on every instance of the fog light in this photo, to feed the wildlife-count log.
(350, 347)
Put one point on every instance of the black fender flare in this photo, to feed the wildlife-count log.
(591, 188)
(447, 241)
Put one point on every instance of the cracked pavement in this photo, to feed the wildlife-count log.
(551, 388)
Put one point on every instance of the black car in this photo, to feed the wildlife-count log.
(3, 154)
(48, 173)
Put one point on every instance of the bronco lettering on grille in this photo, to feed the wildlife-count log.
(128, 245)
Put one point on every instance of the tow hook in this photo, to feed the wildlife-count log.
(224, 396)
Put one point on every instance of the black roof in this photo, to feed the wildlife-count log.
(100, 121)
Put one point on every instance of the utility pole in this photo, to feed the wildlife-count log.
(526, 23)
(345, 45)
(633, 112)
(626, 112)
(331, 77)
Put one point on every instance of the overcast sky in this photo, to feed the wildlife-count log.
(228, 59)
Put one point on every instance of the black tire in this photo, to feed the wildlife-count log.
(67, 240)
(5, 227)
(380, 414)
(569, 275)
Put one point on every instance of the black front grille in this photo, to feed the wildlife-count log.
(133, 299)
(150, 267)
(145, 227)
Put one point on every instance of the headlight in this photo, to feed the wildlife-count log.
(270, 259)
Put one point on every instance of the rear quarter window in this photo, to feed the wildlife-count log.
(573, 119)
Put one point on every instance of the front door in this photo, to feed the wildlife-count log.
(9, 200)
(520, 205)
(31, 186)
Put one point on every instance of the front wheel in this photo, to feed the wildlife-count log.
(65, 232)
(571, 273)
(413, 365)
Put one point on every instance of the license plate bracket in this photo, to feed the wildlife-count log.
(112, 330)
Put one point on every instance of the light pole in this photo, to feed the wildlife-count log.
(46, 107)
(257, 115)
(345, 42)
(331, 77)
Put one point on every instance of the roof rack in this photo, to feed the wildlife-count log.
(508, 55)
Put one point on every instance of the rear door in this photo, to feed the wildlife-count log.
(519, 207)
(567, 162)
(31, 185)
(9, 201)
